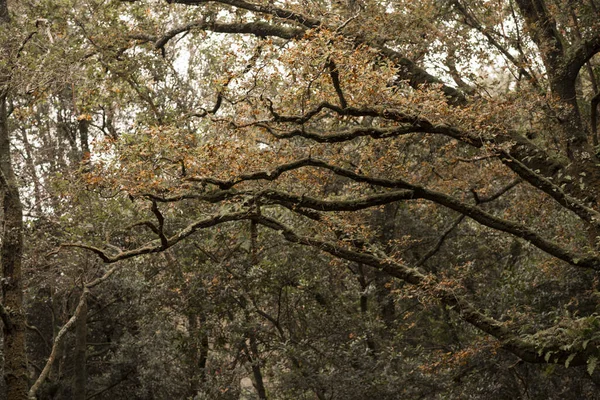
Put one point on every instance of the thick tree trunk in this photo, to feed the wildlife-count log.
(11, 252)
(562, 75)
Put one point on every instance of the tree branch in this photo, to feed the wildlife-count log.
(594, 117)
(411, 192)
(408, 69)
(308, 22)
(335, 79)
(556, 192)
(56, 345)
(577, 57)
(259, 29)
(527, 348)
(161, 224)
(153, 246)
(520, 147)
(543, 29)
(475, 24)
(440, 241)
(435, 248)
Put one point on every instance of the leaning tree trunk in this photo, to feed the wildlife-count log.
(80, 378)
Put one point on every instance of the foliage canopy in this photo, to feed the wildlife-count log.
(348, 199)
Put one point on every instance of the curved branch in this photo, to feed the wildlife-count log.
(410, 192)
(259, 29)
(156, 246)
(556, 192)
(383, 112)
(376, 133)
(161, 224)
(523, 157)
(278, 197)
(484, 218)
(440, 241)
(520, 148)
(308, 22)
(582, 54)
(408, 69)
(585, 213)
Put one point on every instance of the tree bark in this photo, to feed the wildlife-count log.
(199, 348)
(80, 354)
(385, 223)
(254, 359)
(563, 69)
(4, 12)
(29, 162)
(11, 252)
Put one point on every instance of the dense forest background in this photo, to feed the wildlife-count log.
(300, 199)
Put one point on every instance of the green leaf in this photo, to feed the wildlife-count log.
(569, 359)
(548, 355)
(549, 370)
(591, 364)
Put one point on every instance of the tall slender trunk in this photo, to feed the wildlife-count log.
(252, 352)
(29, 162)
(199, 348)
(80, 354)
(254, 358)
(385, 221)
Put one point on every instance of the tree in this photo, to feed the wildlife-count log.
(31, 69)
(356, 85)
(11, 250)
(434, 156)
